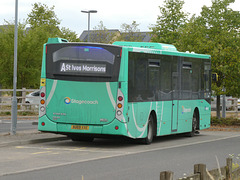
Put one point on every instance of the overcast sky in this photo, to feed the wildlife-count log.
(112, 13)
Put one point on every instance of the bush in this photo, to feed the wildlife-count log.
(225, 121)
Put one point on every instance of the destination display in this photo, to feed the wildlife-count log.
(82, 68)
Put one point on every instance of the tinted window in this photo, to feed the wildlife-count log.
(186, 86)
(154, 77)
(150, 77)
(81, 62)
(86, 53)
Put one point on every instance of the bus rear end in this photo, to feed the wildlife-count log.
(81, 90)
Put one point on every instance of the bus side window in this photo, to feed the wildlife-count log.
(207, 76)
(166, 78)
(153, 79)
(141, 78)
(206, 80)
(186, 87)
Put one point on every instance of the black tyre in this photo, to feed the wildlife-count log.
(149, 138)
(194, 125)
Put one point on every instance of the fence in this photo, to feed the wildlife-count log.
(201, 173)
(31, 105)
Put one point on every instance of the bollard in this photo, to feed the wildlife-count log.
(201, 169)
(229, 169)
(166, 175)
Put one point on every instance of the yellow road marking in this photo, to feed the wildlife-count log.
(42, 152)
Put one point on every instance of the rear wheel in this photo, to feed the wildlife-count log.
(194, 125)
(149, 138)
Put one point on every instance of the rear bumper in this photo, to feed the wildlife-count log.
(114, 128)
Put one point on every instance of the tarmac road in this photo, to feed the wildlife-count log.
(116, 159)
(30, 124)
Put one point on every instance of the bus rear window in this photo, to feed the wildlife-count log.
(83, 62)
(86, 53)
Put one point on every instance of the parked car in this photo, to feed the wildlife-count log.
(33, 97)
(238, 104)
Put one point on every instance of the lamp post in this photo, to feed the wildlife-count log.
(89, 11)
(14, 99)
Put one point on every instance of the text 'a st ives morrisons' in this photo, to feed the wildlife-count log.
(88, 68)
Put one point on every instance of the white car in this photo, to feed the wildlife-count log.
(238, 104)
(33, 98)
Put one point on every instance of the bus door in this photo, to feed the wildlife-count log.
(175, 97)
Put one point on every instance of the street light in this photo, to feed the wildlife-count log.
(14, 99)
(90, 11)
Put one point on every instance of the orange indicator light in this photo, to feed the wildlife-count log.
(42, 101)
(119, 105)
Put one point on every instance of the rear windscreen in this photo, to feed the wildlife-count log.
(83, 62)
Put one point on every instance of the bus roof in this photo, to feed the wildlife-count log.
(56, 40)
(158, 48)
(145, 47)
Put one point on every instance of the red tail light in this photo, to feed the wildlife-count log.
(120, 98)
(42, 94)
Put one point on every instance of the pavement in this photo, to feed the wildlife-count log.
(29, 137)
(24, 137)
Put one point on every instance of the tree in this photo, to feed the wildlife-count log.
(172, 18)
(71, 36)
(44, 20)
(216, 32)
(101, 34)
(42, 15)
(130, 32)
(43, 24)
(6, 55)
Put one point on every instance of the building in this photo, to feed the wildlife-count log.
(111, 35)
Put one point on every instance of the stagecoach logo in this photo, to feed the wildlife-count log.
(185, 110)
(67, 100)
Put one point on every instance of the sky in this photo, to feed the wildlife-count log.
(112, 13)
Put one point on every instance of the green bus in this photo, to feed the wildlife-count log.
(131, 89)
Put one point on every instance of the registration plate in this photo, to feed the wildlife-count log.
(79, 127)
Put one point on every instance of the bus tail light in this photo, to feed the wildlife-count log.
(120, 104)
(42, 101)
(42, 94)
(120, 98)
(42, 106)
(119, 113)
